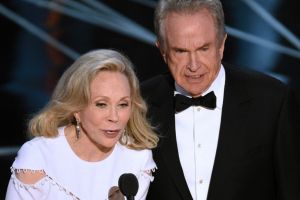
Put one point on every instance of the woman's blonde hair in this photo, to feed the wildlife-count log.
(72, 94)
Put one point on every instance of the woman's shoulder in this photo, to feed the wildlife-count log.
(39, 142)
(29, 155)
(142, 158)
(34, 153)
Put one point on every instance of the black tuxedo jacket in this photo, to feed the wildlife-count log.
(258, 148)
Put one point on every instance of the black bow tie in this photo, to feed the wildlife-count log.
(182, 102)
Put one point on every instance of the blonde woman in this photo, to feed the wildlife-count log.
(92, 131)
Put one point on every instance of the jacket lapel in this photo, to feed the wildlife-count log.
(234, 113)
(164, 108)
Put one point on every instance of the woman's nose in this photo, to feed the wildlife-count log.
(113, 115)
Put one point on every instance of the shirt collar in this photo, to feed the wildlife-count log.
(217, 86)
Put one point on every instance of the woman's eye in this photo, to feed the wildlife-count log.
(101, 105)
(124, 105)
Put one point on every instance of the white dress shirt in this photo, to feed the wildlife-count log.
(197, 133)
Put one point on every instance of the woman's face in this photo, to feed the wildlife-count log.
(105, 118)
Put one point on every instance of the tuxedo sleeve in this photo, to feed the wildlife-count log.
(287, 151)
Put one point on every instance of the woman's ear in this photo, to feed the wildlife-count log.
(76, 115)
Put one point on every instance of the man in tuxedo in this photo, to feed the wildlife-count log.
(225, 134)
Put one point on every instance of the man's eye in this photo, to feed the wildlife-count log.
(204, 48)
(179, 51)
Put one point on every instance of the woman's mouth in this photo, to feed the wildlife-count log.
(111, 133)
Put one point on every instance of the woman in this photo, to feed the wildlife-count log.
(92, 131)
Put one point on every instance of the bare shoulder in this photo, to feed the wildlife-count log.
(30, 176)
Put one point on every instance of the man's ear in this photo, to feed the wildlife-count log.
(162, 52)
(157, 44)
(222, 46)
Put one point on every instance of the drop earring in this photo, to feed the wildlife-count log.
(77, 128)
(124, 137)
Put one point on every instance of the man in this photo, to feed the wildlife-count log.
(244, 145)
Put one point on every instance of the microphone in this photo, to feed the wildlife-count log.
(128, 185)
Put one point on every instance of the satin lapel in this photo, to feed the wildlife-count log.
(168, 149)
(235, 108)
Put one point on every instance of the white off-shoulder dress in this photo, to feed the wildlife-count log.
(69, 177)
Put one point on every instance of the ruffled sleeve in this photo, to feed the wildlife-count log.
(18, 190)
(30, 159)
(46, 188)
(145, 176)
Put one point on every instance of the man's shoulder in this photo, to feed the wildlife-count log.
(156, 80)
(252, 78)
(158, 84)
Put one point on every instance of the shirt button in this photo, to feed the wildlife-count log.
(198, 109)
(200, 181)
(199, 145)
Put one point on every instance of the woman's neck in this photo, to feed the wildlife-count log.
(84, 148)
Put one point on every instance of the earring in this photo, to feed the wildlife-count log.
(124, 137)
(77, 128)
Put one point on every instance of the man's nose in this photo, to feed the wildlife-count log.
(193, 64)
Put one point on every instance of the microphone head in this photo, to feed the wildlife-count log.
(128, 184)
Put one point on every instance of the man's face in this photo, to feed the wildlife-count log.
(192, 50)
